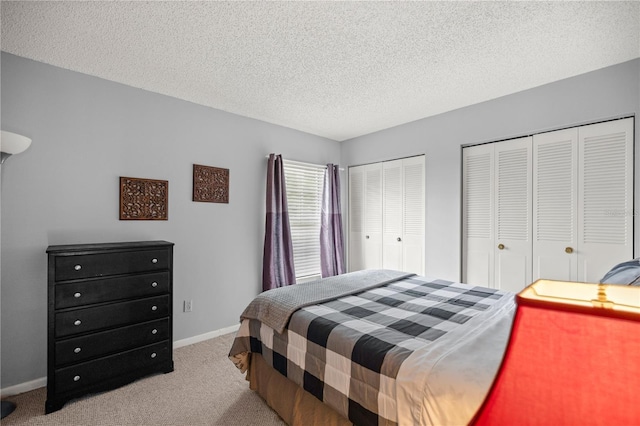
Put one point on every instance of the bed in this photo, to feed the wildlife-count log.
(374, 347)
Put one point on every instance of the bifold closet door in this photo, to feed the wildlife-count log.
(496, 198)
(478, 242)
(392, 215)
(403, 215)
(555, 206)
(365, 217)
(605, 197)
(555, 191)
(356, 218)
(513, 214)
(413, 214)
(583, 201)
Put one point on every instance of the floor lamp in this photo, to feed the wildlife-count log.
(11, 143)
(572, 358)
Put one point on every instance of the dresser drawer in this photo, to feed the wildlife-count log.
(92, 372)
(110, 263)
(79, 349)
(110, 315)
(108, 289)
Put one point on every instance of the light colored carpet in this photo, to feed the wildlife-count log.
(204, 389)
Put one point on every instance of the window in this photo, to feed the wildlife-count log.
(304, 198)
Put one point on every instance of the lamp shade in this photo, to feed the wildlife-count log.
(573, 358)
(12, 143)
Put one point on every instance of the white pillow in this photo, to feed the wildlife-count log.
(625, 273)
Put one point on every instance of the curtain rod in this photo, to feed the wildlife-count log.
(306, 164)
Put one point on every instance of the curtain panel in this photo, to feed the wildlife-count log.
(277, 265)
(331, 238)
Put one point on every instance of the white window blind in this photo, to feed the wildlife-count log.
(304, 198)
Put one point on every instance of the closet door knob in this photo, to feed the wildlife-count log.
(500, 246)
(568, 250)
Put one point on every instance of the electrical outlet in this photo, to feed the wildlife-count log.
(188, 305)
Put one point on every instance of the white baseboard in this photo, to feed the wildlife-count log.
(206, 336)
(23, 387)
(42, 381)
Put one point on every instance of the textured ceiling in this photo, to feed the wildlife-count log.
(334, 69)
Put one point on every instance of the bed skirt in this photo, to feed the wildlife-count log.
(293, 404)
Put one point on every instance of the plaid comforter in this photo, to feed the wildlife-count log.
(348, 352)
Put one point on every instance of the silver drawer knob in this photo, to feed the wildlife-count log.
(153, 355)
(77, 322)
(76, 378)
(77, 295)
(154, 308)
(154, 260)
(77, 350)
(154, 331)
(77, 267)
(154, 284)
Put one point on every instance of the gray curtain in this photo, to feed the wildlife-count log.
(331, 240)
(277, 264)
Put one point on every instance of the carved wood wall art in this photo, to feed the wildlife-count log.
(210, 184)
(143, 199)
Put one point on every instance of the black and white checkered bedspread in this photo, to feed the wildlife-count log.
(348, 352)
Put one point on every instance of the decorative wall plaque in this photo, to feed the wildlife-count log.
(143, 199)
(210, 184)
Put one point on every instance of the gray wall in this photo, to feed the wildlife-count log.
(603, 94)
(64, 189)
(87, 132)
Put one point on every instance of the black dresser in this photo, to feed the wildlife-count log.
(109, 316)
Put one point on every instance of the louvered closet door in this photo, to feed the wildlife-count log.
(555, 173)
(513, 214)
(413, 215)
(365, 217)
(478, 215)
(403, 214)
(392, 215)
(356, 218)
(605, 197)
(373, 216)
